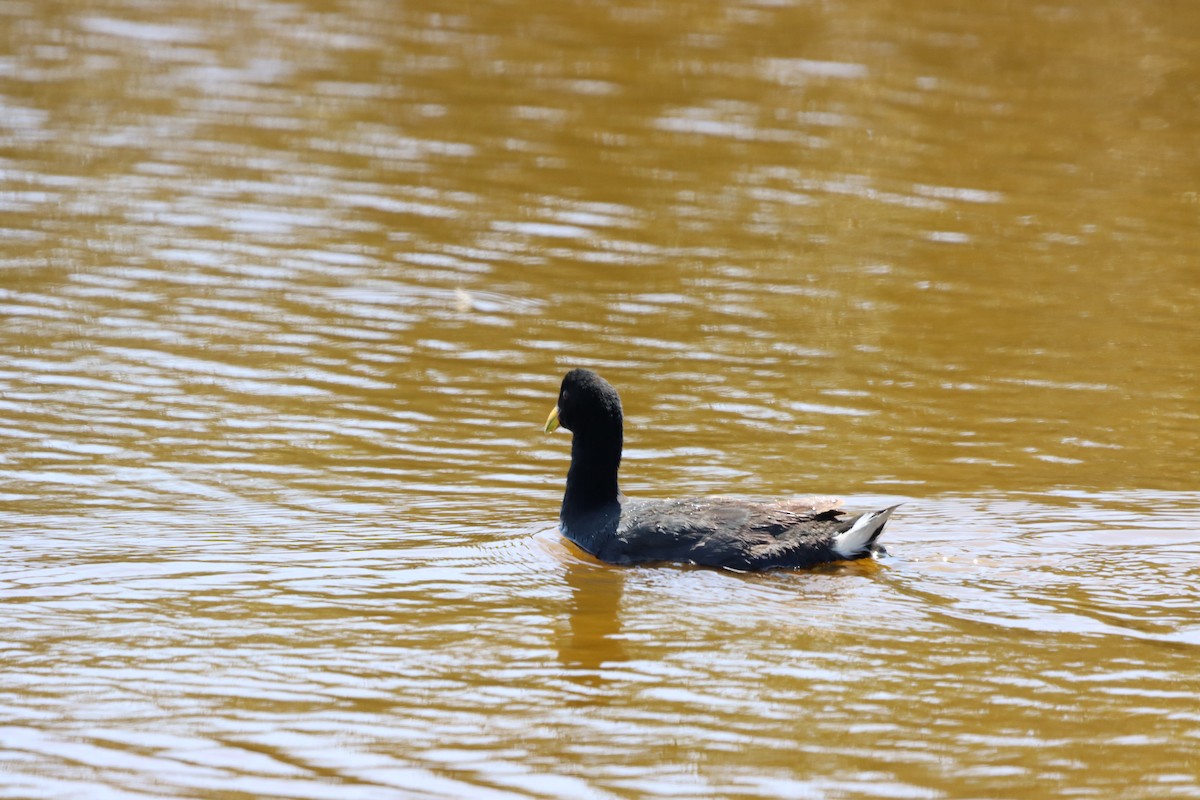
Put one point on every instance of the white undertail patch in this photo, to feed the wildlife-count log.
(854, 542)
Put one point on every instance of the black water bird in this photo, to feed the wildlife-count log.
(728, 532)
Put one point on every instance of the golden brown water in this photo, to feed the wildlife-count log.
(287, 290)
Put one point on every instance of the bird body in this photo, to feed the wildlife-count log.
(734, 533)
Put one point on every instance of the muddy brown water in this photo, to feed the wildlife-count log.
(286, 291)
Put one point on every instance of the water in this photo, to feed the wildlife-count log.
(287, 292)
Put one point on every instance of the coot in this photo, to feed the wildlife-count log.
(738, 534)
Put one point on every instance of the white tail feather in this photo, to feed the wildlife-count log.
(854, 542)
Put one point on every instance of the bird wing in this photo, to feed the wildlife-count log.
(734, 532)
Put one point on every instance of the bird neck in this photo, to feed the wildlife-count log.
(592, 479)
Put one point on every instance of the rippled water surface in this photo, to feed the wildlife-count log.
(286, 291)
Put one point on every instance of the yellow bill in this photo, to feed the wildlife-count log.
(552, 421)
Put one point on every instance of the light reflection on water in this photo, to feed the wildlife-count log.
(286, 296)
(274, 654)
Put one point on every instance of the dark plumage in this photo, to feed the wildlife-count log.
(710, 531)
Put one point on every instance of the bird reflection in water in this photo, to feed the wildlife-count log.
(594, 620)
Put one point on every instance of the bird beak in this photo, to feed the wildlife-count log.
(552, 421)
